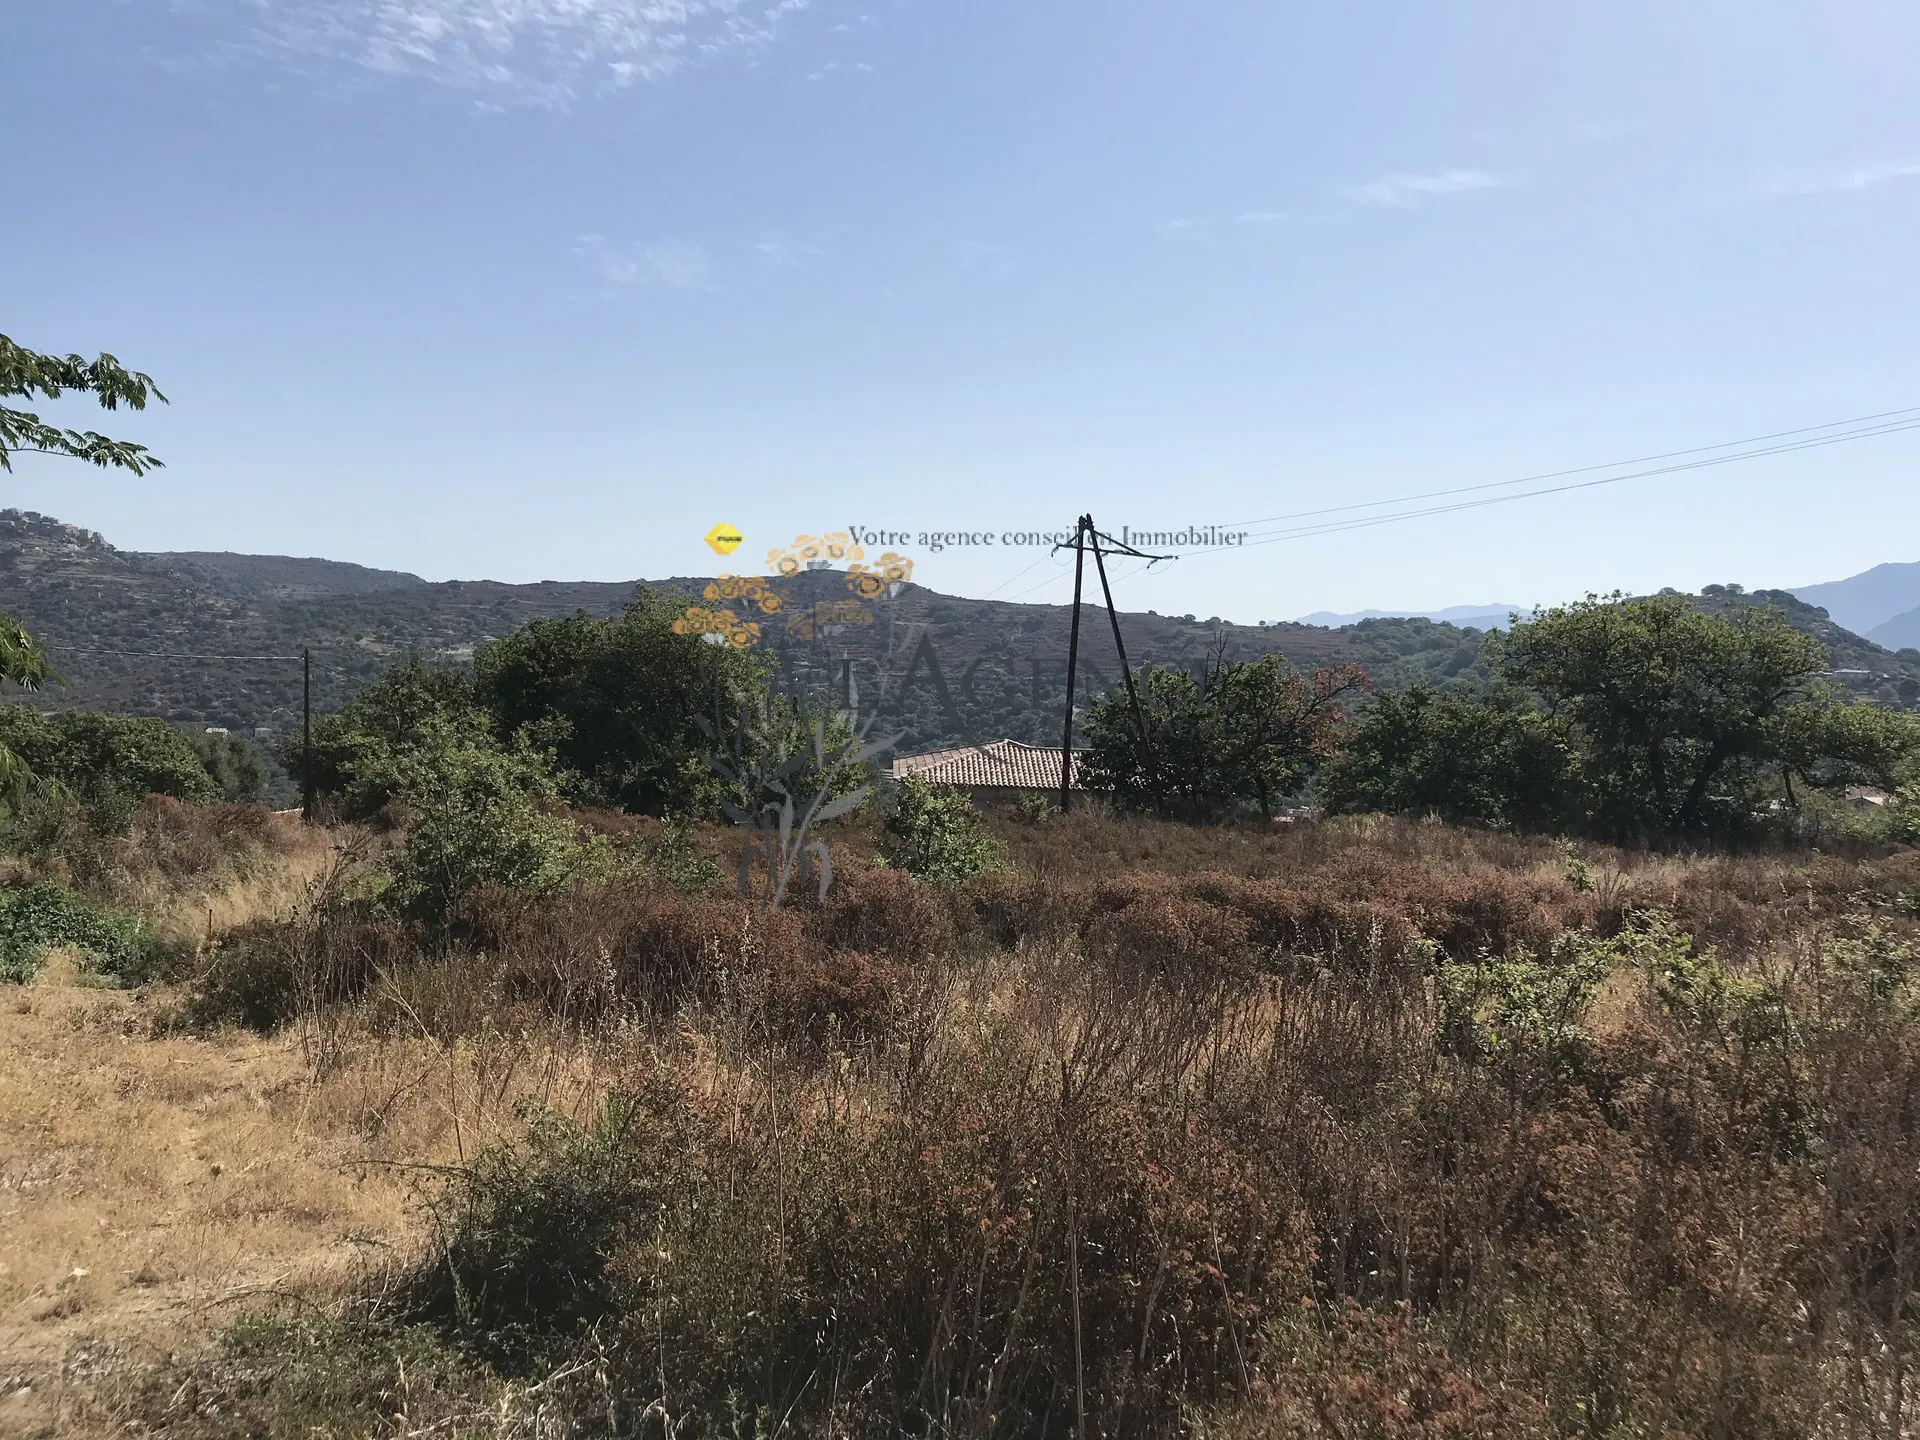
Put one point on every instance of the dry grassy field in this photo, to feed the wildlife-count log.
(1352, 1129)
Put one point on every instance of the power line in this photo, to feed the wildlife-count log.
(165, 654)
(1016, 575)
(1365, 522)
(1590, 469)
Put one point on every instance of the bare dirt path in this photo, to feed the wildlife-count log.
(148, 1186)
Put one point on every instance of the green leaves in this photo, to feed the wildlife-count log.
(1672, 703)
(1491, 758)
(109, 763)
(1245, 737)
(1627, 718)
(22, 661)
(25, 374)
(46, 916)
(935, 835)
(785, 771)
(479, 813)
(618, 701)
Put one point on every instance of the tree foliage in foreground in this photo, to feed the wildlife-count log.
(27, 375)
(1242, 735)
(1627, 718)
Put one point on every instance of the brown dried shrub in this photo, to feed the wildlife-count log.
(856, 996)
(883, 912)
(266, 973)
(586, 953)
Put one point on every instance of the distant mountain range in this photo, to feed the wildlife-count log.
(207, 638)
(1466, 617)
(1882, 604)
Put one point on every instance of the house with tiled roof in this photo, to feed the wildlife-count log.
(1002, 770)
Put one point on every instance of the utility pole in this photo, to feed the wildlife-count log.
(1083, 531)
(1126, 671)
(1073, 663)
(306, 734)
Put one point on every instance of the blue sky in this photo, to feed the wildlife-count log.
(539, 289)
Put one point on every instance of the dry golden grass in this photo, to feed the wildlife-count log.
(155, 1186)
(147, 1181)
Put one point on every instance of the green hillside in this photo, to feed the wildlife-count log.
(134, 632)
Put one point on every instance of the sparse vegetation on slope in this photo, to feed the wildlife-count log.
(1363, 1127)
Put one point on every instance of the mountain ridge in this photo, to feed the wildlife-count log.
(213, 638)
(1868, 601)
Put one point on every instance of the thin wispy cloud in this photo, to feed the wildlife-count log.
(834, 65)
(1859, 177)
(774, 250)
(1403, 192)
(672, 263)
(523, 51)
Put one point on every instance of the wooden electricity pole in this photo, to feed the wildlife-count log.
(1083, 534)
(306, 734)
(1080, 529)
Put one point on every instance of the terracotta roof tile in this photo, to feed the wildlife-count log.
(1004, 764)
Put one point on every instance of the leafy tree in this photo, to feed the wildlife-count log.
(1487, 758)
(1829, 742)
(1626, 717)
(934, 834)
(360, 756)
(110, 763)
(24, 375)
(1678, 709)
(618, 701)
(234, 763)
(1245, 734)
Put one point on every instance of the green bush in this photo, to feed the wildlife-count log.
(618, 701)
(676, 860)
(934, 834)
(360, 757)
(109, 763)
(1523, 1012)
(307, 1373)
(528, 1232)
(479, 814)
(234, 763)
(46, 916)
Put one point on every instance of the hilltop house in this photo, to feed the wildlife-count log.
(1001, 771)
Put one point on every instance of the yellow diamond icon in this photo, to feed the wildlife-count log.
(724, 539)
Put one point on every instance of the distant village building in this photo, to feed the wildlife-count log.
(1001, 771)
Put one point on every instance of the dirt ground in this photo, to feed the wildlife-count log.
(149, 1184)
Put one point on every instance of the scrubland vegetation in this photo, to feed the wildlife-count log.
(1360, 1128)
